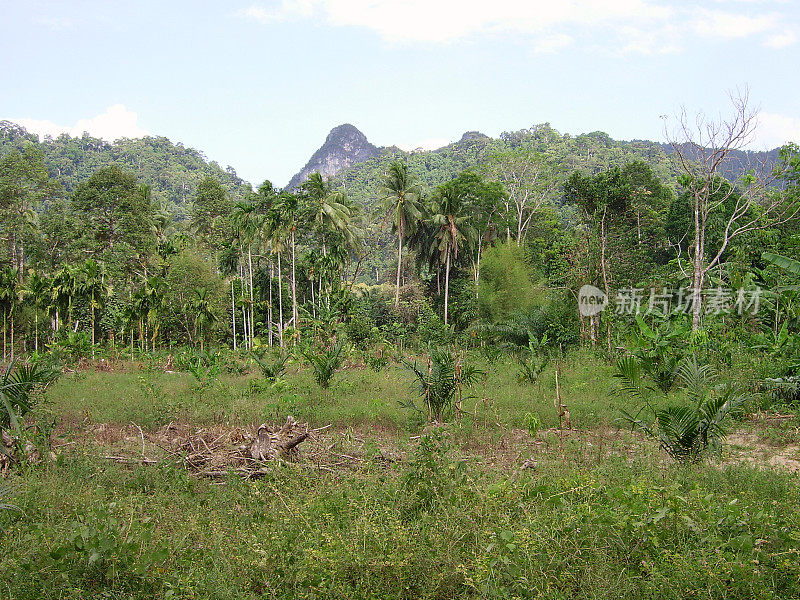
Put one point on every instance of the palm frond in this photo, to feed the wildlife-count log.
(694, 377)
(631, 381)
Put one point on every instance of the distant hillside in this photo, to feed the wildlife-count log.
(591, 152)
(344, 147)
(171, 170)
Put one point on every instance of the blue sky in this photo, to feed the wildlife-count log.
(257, 84)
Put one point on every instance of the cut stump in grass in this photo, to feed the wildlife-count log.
(270, 444)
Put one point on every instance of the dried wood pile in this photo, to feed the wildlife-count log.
(210, 453)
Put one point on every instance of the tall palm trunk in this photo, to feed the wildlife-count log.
(269, 308)
(280, 301)
(399, 263)
(252, 304)
(446, 285)
(233, 315)
(478, 266)
(92, 328)
(245, 328)
(295, 313)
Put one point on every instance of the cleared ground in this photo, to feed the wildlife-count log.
(145, 496)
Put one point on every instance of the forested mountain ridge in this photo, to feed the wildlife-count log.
(172, 170)
(564, 153)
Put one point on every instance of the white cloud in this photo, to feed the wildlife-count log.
(427, 144)
(781, 40)
(775, 130)
(283, 11)
(641, 26)
(116, 122)
(448, 20)
(661, 40)
(553, 43)
(721, 24)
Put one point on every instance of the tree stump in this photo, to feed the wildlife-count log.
(270, 444)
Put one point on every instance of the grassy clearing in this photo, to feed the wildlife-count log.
(477, 509)
(358, 395)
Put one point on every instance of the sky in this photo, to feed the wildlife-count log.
(258, 84)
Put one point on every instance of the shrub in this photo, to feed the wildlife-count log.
(660, 349)
(110, 547)
(534, 360)
(685, 431)
(441, 382)
(506, 284)
(431, 328)
(325, 363)
(271, 369)
(18, 386)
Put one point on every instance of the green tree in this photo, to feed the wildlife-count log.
(247, 223)
(289, 205)
(327, 208)
(189, 271)
(402, 201)
(93, 286)
(118, 217)
(63, 291)
(452, 229)
(38, 290)
(484, 199)
(211, 213)
(9, 290)
(203, 314)
(24, 181)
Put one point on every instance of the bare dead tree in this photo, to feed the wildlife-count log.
(529, 182)
(703, 148)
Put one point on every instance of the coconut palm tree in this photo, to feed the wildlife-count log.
(146, 304)
(332, 219)
(328, 209)
(289, 205)
(63, 291)
(277, 233)
(452, 230)
(403, 206)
